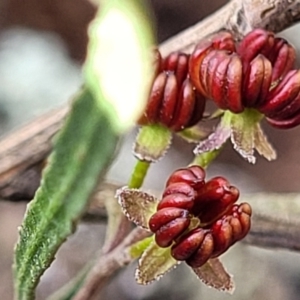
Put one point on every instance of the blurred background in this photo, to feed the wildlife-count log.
(42, 47)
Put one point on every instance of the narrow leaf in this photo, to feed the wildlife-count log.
(81, 153)
(242, 137)
(152, 143)
(154, 263)
(138, 206)
(243, 127)
(214, 275)
(137, 249)
(216, 139)
(262, 145)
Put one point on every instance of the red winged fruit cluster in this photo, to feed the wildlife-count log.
(256, 73)
(199, 219)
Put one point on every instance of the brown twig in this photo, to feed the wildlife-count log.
(23, 152)
(239, 16)
(108, 264)
(269, 232)
(27, 147)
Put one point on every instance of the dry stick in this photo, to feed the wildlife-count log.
(270, 232)
(21, 152)
(239, 16)
(109, 263)
(28, 146)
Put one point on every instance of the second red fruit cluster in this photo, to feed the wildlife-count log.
(199, 219)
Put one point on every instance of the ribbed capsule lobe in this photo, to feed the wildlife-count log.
(189, 109)
(203, 253)
(277, 51)
(188, 244)
(282, 96)
(193, 176)
(222, 41)
(231, 228)
(166, 234)
(282, 107)
(214, 199)
(165, 216)
(180, 188)
(177, 63)
(177, 200)
(257, 81)
(282, 57)
(258, 41)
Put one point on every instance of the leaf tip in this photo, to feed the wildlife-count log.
(214, 275)
(138, 206)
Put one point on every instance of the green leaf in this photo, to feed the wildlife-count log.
(217, 138)
(246, 135)
(152, 142)
(154, 263)
(137, 249)
(242, 135)
(262, 145)
(119, 64)
(138, 206)
(82, 152)
(213, 274)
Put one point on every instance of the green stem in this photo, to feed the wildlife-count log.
(139, 173)
(204, 159)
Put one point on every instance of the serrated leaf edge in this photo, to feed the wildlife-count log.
(229, 290)
(122, 203)
(138, 272)
(267, 147)
(147, 157)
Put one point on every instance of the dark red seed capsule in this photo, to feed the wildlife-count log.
(177, 63)
(222, 235)
(214, 210)
(204, 252)
(165, 216)
(166, 234)
(188, 244)
(213, 190)
(193, 176)
(286, 123)
(187, 103)
(282, 57)
(176, 200)
(180, 188)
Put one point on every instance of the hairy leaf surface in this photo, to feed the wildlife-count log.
(81, 153)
